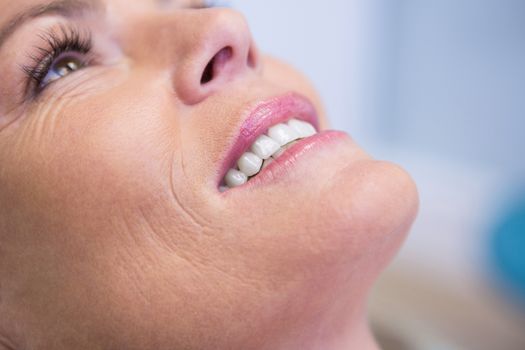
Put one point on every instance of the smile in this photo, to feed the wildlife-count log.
(268, 131)
(266, 149)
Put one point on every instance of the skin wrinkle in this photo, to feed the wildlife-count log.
(196, 220)
(48, 117)
(194, 260)
(128, 258)
(150, 227)
(160, 239)
(151, 231)
(9, 123)
(195, 217)
(42, 124)
(5, 344)
(50, 109)
(135, 278)
(129, 229)
(79, 88)
(12, 120)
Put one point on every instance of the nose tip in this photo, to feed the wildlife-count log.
(222, 51)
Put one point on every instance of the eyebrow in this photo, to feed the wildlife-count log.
(65, 8)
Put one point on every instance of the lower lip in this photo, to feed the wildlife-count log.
(301, 150)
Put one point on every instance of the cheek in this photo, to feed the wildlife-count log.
(77, 175)
(111, 141)
(86, 185)
(116, 152)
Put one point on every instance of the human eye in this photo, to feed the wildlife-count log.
(61, 53)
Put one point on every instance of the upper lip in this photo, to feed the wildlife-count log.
(264, 115)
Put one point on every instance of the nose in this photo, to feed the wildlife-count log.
(218, 48)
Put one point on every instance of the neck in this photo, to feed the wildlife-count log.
(340, 325)
(327, 314)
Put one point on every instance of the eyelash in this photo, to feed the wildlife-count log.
(66, 40)
(56, 43)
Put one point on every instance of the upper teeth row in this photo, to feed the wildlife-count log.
(265, 148)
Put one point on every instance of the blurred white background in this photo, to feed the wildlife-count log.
(439, 87)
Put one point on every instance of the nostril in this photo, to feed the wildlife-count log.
(216, 64)
(207, 75)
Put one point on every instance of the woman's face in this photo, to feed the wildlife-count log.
(118, 123)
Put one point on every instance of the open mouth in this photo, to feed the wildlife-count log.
(268, 132)
(266, 148)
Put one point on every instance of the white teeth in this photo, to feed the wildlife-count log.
(249, 164)
(265, 147)
(304, 129)
(235, 178)
(283, 134)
